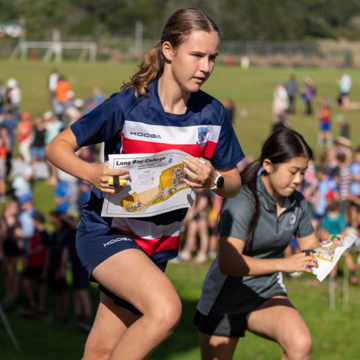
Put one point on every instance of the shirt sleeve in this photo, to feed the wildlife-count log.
(304, 227)
(236, 216)
(228, 150)
(101, 124)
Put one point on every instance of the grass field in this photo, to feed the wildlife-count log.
(335, 333)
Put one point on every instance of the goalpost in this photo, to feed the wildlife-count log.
(54, 48)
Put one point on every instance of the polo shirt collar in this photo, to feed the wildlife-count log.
(270, 202)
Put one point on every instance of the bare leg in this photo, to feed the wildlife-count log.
(217, 347)
(279, 321)
(131, 275)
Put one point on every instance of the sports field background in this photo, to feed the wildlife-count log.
(335, 333)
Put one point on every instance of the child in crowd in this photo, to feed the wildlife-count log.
(197, 223)
(38, 141)
(10, 233)
(334, 223)
(354, 192)
(35, 270)
(57, 261)
(344, 185)
(24, 132)
(3, 156)
(326, 185)
(324, 115)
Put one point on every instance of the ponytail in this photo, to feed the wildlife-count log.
(150, 68)
(249, 178)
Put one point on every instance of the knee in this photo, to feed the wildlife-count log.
(167, 315)
(96, 351)
(301, 345)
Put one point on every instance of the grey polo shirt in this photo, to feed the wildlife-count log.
(231, 295)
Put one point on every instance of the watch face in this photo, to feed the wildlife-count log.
(219, 182)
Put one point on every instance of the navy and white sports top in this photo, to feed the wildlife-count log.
(128, 126)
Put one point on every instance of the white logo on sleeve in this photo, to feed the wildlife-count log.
(113, 241)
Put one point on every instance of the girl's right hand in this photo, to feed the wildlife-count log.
(100, 175)
(299, 263)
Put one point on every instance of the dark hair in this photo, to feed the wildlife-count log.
(279, 148)
(180, 24)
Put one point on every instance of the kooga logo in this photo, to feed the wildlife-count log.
(113, 241)
(147, 135)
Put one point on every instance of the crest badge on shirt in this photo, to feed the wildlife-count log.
(202, 136)
(292, 219)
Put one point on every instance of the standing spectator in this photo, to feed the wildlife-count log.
(2, 95)
(344, 126)
(98, 95)
(197, 223)
(308, 94)
(57, 261)
(326, 185)
(280, 102)
(324, 115)
(24, 130)
(344, 185)
(9, 122)
(82, 301)
(52, 84)
(292, 88)
(14, 97)
(25, 218)
(354, 195)
(345, 83)
(20, 178)
(35, 270)
(63, 195)
(230, 109)
(38, 142)
(53, 127)
(3, 155)
(9, 235)
(62, 92)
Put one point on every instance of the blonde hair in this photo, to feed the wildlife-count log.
(180, 24)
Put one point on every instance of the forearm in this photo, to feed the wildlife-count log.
(61, 154)
(249, 266)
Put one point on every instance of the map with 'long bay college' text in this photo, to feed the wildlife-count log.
(157, 185)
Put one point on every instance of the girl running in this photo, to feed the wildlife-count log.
(243, 289)
(138, 302)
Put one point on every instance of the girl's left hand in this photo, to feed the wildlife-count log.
(200, 173)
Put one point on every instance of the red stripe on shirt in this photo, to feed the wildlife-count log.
(153, 246)
(138, 147)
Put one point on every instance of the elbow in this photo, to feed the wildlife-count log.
(225, 267)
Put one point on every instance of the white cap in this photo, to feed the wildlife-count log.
(72, 112)
(70, 94)
(11, 83)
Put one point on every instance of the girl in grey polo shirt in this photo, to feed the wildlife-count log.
(243, 289)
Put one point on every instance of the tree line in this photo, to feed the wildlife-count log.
(266, 20)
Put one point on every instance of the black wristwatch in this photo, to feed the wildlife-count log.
(219, 182)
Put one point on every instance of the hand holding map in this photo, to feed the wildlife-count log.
(329, 254)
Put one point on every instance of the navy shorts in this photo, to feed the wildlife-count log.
(96, 242)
